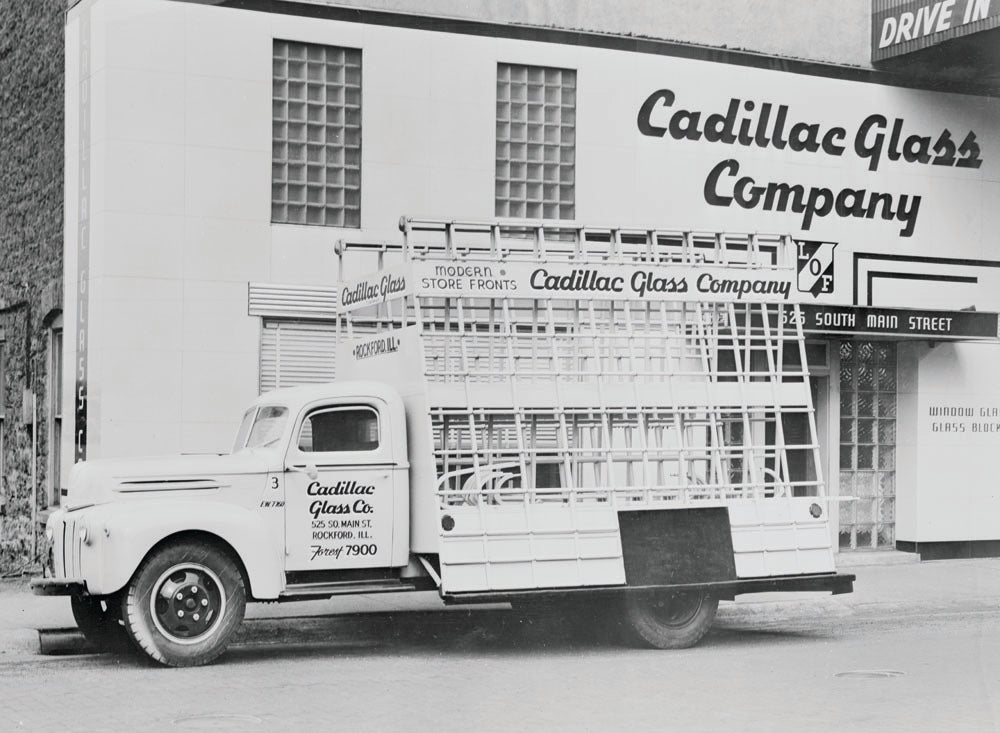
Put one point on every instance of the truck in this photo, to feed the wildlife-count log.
(609, 418)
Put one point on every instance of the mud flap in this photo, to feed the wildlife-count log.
(677, 546)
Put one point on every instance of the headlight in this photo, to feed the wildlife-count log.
(49, 534)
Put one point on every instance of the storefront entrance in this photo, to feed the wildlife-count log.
(868, 444)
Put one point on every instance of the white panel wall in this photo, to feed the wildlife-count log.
(947, 465)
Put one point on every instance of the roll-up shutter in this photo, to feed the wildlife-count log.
(296, 352)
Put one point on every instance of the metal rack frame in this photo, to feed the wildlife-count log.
(660, 403)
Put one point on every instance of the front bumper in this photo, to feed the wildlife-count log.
(58, 586)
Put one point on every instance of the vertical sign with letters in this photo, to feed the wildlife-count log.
(83, 246)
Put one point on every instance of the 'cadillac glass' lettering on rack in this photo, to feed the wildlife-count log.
(642, 282)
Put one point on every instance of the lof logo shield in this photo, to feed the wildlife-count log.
(815, 266)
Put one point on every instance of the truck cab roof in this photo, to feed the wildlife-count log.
(346, 392)
(295, 398)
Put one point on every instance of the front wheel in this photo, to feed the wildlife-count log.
(668, 620)
(184, 603)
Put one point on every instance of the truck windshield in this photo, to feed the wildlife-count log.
(244, 431)
(268, 422)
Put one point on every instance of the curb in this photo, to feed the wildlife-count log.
(867, 559)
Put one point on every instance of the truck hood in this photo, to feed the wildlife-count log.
(103, 480)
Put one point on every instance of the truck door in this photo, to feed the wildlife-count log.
(339, 496)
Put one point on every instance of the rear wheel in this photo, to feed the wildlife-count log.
(668, 620)
(184, 603)
(100, 621)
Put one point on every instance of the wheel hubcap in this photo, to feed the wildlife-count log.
(187, 602)
(676, 609)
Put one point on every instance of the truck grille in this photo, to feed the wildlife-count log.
(66, 549)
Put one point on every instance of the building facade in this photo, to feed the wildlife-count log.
(216, 155)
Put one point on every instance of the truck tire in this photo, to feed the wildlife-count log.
(99, 619)
(184, 603)
(668, 620)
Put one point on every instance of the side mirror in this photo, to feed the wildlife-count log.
(309, 470)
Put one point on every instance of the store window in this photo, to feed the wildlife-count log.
(535, 142)
(55, 410)
(868, 444)
(316, 135)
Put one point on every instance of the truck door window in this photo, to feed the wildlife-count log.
(350, 429)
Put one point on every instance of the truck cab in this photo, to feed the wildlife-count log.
(313, 500)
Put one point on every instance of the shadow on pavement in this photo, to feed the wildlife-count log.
(457, 632)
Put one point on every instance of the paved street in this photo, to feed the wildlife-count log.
(917, 648)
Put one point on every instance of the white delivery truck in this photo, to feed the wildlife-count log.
(522, 411)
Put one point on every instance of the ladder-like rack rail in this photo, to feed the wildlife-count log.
(534, 240)
(523, 239)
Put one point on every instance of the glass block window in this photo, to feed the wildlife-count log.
(868, 444)
(536, 142)
(316, 135)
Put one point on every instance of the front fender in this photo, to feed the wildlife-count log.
(121, 535)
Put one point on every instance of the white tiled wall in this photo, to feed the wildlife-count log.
(224, 250)
(142, 245)
(138, 105)
(139, 177)
(227, 183)
(222, 112)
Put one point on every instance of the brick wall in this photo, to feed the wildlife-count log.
(31, 233)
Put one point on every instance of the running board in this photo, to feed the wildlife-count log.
(325, 590)
(727, 590)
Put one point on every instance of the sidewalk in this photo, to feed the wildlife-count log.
(887, 584)
(892, 584)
